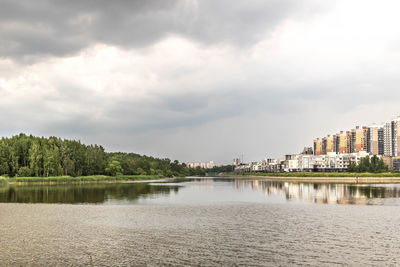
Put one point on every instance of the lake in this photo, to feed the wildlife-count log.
(207, 222)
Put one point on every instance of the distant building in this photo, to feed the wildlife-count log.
(327, 144)
(395, 137)
(236, 161)
(348, 142)
(381, 139)
(372, 140)
(387, 139)
(357, 141)
(204, 165)
(335, 153)
(342, 143)
(381, 142)
(317, 147)
(331, 162)
(307, 151)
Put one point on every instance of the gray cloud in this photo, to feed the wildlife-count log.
(195, 80)
(33, 29)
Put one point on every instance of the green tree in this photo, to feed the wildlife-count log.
(367, 164)
(114, 168)
(35, 158)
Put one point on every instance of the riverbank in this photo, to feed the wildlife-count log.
(321, 177)
(81, 179)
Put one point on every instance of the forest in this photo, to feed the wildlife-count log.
(29, 156)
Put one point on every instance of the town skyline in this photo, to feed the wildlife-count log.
(336, 152)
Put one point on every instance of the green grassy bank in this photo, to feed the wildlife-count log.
(79, 179)
(319, 174)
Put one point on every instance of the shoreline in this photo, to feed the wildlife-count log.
(92, 182)
(350, 180)
(63, 180)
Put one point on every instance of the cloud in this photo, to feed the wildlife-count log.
(196, 80)
(33, 30)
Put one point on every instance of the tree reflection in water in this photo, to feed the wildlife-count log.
(81, 193)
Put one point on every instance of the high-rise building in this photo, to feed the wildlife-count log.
(349, 142)
(341, 142)
(387, 139)
(327, 144)
(381, 142)
(395, 137)
(372, 146)
(317, 147)
(334, 146)
(364, 138)
(356, 139)
(383, 139)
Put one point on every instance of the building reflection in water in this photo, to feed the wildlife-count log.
(330, 193)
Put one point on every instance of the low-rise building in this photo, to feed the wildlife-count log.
(306, 163)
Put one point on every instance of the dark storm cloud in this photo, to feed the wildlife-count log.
(30, 29)
(186, 110)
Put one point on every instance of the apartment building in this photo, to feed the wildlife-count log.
(364, 138)
(341, 143)
(205, 165)
(382, 139)
(395, 124)
(349, 142)
(357, 141)
(387, 139)
(317, 147)
(381, 142)
(329, 162)
(336, 152)
(372, 139)
(327, 144)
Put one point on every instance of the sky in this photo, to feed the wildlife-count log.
(198, 80)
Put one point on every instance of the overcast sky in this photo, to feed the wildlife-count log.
(197, 80)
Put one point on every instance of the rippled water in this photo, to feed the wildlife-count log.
(201, 222)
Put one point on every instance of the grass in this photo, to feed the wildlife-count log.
(322, 174)
(70, 179)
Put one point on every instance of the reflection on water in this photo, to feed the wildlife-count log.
(81, 193)
(205, 191)
(329, 193)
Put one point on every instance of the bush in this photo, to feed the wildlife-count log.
(25, 172)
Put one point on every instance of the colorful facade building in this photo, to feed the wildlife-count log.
(357, 141)
(372, 140)
(327, 144)
(375, 139)
(317, 147)
(348, 142)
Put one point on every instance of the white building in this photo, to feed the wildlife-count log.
(387, 137)
(205, 165)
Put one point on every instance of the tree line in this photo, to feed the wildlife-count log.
(25, 156)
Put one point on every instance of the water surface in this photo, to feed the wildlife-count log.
(207, 222)
(205, 191)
